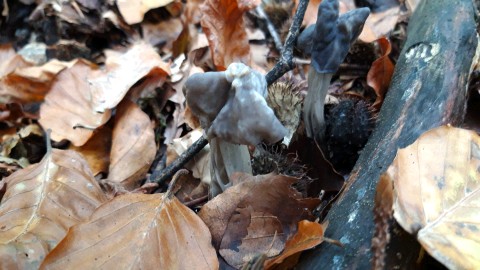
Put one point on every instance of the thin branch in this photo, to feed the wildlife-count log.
(284, 65)
(271, 28)
(285, 62)
(171, 169)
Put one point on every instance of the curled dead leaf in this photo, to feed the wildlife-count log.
(222, 22)
(21, 80)
(137, 231)
(380, 74)
(308, 235)
(41, 202)
(437, 190)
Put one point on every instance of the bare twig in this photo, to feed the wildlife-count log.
(171, 169)
(271, 28)
(284, 64)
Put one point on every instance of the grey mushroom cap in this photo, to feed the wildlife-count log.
(206, 95)
(236, 111)
(330, 38)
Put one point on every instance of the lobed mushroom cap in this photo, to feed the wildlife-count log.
(331, 37)
(231, 105)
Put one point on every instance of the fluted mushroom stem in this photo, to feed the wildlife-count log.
(313, 111)
(226, 158)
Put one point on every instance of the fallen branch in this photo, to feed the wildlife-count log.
(428, 89)
(284, 65)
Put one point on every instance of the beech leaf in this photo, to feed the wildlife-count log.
(40, 204)
(222, 22)
(67, 109)
(97, 150)
(309, 235)
(122, 72)
(137, 231)
(133, 146)
(437, 193)
(255, 216)
(21, 80)
(133, 10)
(380, 74)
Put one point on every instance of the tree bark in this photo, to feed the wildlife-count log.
(428, 89)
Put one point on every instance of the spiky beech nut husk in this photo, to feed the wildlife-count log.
(286, 102)
(349, 124)
(271, 158)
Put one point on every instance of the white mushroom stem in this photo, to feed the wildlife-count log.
(313, 111)
(227, 158)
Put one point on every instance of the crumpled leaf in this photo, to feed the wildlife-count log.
(200, 165)
(133, 10)
(137, 231)
(380, 74)
(437, 188)
(309, 235)
(21, 80)
(133, 145)
(41, 202)
(123, 71)
(255, 216)
(222, 22)
(68, 110)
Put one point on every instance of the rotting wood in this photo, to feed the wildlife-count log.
(428, 89)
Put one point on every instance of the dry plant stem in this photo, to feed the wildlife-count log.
(284, 64)
(271, 28)
(313, 114)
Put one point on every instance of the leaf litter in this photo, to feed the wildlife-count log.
(106, 78)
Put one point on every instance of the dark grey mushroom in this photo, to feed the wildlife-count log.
(328, 41)
(232, 110)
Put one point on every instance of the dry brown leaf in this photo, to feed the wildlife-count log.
(222, 22)
(97, 150)
(437, 189)
(68, 110)
(255, 216)
(133, 10)
(20, 80)
(137, 231)
(310, 16)
(123, 71)
(309, 235)
(200, 164)
(379, 24)
(41, 202)
(133, 146)
(380, 74)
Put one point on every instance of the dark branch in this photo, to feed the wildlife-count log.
(284, 65)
